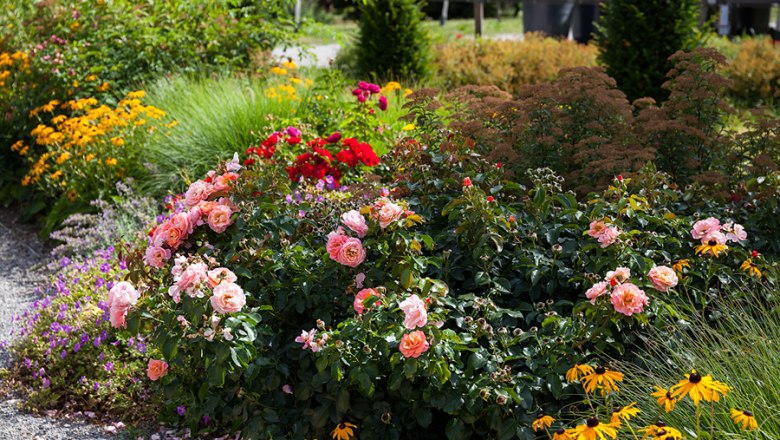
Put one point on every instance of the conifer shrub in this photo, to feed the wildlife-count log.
(392, 43)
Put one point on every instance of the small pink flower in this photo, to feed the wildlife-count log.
(156, 369)
(197, 192)
(414, 311)
(193, 279)
(287, 389)
(609, 236)
(156, 256)
(735, 232)
(620, 275)
(228, 298)
(596, 291)
(389, 213)
(335, 137)
(413, 344)
(382, 103)
(219, 218)
(220, 274)
(306, 338)
(222, 183)
(663, 278)
(628, 299)
(597, 227)
(120, 298)
(294, 132)
(351, 253)
(355, 221)
(360, 299)
(359, 280)
(716, 236)
(705, 227)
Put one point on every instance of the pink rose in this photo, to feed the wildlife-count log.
(628, 299)
(156, 256)
(705, 227)
(351, 253)
(219, 218)
(389, 213)
(414, 311)
(228, 298)
(223, 182)
(619, 275)
(156, 369)
(355, 221)
(359, 280)
(596, 291)
(116, 316)
(597, 227)
(197, 192)
(192, 281)
(181, 221)
(360, 299)
(220, 274)
(608, 236)
(715, 237)
(413, 344)
(735, 232)
(206, 207)
(123, 294)
(195, 215)
(663, 278)
(336, 240)
(306, 338)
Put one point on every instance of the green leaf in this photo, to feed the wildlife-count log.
(342, 401)
(455, 429)
(424, 417)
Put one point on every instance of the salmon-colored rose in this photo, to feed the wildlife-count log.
(228, 298)
(663, 278)
(413, 344)
(351, 253)
(156, 369)
(219, 218)
(361, 297)
(389, 213)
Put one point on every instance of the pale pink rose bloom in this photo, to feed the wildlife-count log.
(389, 213)
(360, 298)
(195, 216)
(663, 278)
(705, 227)
(306, 338)
(219, 275)
(414, 311)
(117, 316)
(209, 334)
(336, 240)
(354, 220)
(228, 298)
(621, 275)
(628, 299)
(608, 236)
(197, 192)
(156, 369)
(596, 291)
(192, 280)
(413, 344)
(219, 218)
(359, 280)
(714, 236)
(156, 256)
(351, 253)
(179, 264)
(735, 232)
(123, 294)
(319, 344)
(597, 228)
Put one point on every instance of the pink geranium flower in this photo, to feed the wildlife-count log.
(413, 344)
(628, 299)
(415, 314)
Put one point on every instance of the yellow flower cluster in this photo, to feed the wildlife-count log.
(288, 90)
(85, 143)
(10, 62)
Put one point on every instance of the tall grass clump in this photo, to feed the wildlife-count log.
(215, 118)
(737, 342)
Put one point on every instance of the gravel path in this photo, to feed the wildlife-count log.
(20, 253)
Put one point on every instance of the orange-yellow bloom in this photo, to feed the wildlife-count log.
(746, 418)
(664, 398)
(603, 379)
(699, 388)
(542, 422)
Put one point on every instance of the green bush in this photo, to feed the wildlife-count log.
(636, 38)
(392, 44)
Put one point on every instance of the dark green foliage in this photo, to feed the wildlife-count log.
(392, 43)
(636, 38)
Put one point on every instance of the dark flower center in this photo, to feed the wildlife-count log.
(593, 422)
(342, 426)
(600, 370)
(694, 378)
(618, 409)
(668, 394)
(540, 415)
(747, 413)
(560, 431)
(660, 424)
(661, 432)
(712, 242)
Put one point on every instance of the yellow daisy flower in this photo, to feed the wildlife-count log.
(664, 398)
(602, 378)
(344, 431)
(542, 422)
(660, 431)
(563, 434)
(750, 267)
(711, 247)
(624, 413)
(746, 418)
(578, 371)
(594, 430)
(699, 388)
(680, 265)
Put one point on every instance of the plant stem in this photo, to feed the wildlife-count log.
(698, 422)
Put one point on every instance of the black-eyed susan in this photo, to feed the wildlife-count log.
(659, 431)
(750, 267)
(711, 247)
(623, 413)
(664, 398)
(563, 434)
(593, 429)
(542, 422)
(343, 431)
(699, 388)
(602, 378)
(745, 418)
(577, 371)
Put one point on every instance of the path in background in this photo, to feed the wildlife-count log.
(20, 254)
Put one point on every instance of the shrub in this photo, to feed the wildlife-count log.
(755, 71)
(392, 42)
(509, 64)
(636, 38)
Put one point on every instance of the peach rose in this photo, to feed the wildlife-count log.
(197, 192)
(206, 207)
(336, 240)
(156, 256)
(597, 228)
(354, 220)
(628, 299)
(219, 275)
(351, 253)
(608, 236)
(156, 369)
(228, 298)
(360, 299)
(413, 344)
(414, 312)
(620, 275)
(663, 278)
(596, 291)
(219, 218)
(389, 213)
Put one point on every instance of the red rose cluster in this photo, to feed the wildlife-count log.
(320, 162)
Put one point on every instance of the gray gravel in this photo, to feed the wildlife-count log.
(20, 255)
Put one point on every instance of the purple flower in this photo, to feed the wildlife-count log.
(301, 213)
(96, 386)
(81, 380)
(46, 382)
(123, 265)
(206, 419)
(27, 363)
(63, 354)
(99, 282)
(181, 410)
(109, 366)
(102, 355)
(320, 185)
(65, 262)
(105, 267)
(288, 198)
(76, 348)
(294, 132)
